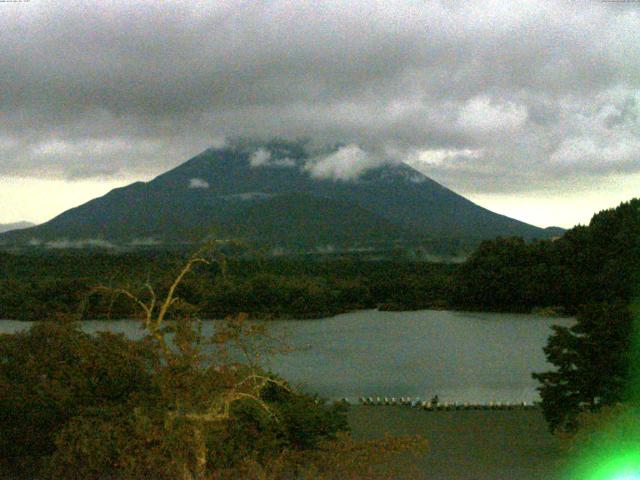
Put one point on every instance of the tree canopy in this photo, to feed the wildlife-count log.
(594, 358)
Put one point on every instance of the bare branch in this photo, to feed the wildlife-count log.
(168, 301)
(128, 294)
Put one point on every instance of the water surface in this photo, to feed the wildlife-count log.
(460, 356)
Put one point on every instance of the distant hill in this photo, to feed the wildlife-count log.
(265, 193)
(7, 227)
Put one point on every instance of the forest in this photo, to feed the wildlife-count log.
(73, 406)
(33, 286)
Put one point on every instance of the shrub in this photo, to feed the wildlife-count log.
(54, 372)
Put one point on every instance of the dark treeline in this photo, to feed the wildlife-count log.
(588, 264)
(33, 286)
(593, 273)
(595, 360)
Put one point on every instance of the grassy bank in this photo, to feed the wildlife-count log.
(469, 445)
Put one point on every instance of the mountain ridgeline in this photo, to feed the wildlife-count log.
(269, 195)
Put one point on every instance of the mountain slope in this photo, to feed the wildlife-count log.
(298, 220)
(266, 193)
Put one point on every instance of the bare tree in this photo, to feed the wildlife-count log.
(245, 381)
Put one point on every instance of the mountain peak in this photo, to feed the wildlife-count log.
(252, 190)
(340, 162)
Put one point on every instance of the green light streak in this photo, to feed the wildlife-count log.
(628, 476)
(610, 450)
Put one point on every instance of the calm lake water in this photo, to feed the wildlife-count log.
(460, 356)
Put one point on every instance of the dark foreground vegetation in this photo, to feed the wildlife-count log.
(75, 406)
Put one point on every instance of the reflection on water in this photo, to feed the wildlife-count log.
(462, 357)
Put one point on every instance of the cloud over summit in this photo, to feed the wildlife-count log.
(346, 163)
(525, 92)
(263, 158)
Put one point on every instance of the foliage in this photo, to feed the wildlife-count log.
(34, 287)
(594, 263)
(176, 405)
(136, 441)
(593, 358)
(341, 458)
(53, 373)
(494, 278)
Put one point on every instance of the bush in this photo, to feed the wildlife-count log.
(100, 407)
(54, 372)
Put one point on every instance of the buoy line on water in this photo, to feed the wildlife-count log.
(437, 405)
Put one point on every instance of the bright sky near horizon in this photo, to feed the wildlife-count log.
(38, 200)
(531, 109)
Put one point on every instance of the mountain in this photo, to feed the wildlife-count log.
(270, 194)
(7, 227)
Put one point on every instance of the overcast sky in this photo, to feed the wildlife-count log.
(530, 108)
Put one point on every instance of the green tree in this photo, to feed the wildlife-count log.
(591, 360)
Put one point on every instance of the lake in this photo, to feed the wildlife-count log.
(460, 356)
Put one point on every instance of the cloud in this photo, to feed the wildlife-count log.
(264, 158)
(283, 162)
(130, 89)
(260, 158)
(198, 183)
(144, 242)
(482, 115)
(597, 154)
(441, 156)
(84, 243)
(247, 196)
(603, 136)
(347, 163)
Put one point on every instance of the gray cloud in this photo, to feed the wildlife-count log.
(484, 96)
(263, 158)
(346, 163)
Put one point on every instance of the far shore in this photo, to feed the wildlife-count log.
(546, 312)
